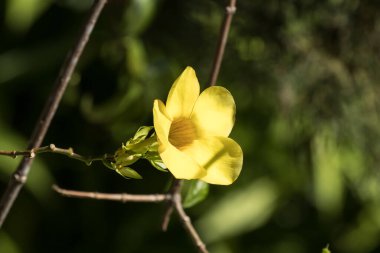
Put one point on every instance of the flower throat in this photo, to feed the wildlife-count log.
(182, 133)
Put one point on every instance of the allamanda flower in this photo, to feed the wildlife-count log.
(192, 132)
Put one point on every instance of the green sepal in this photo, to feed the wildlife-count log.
(125, 157)
(140, 143)
(158, 164)
(154, 158)
(194, 192)
(142, 133)
(128, 173)
(108, 164)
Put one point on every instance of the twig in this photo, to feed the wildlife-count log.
(19, 177)
(121, 197)
(176, 198)
(175, 189)
(15, 153)
(53, 149)
(230, 11)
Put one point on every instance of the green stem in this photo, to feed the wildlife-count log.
(53, 149)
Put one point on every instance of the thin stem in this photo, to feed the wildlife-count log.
(225, 29)
(121, 197)
(20, 176)
(53, 149)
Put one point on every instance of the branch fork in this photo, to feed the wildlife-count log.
(173, 197)
(42, 125)
(19, 177)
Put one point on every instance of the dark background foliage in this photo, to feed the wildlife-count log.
(305, 77)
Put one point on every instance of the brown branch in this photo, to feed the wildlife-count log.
(177, 200)
(175, 189)
(19, 177)
(174, 196)
(230, 11)
(121, 197)
(14, 153)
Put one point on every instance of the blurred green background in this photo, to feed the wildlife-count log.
(305, 77)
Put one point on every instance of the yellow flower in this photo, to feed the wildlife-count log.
(192, 132)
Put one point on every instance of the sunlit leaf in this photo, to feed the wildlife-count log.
(20, 14)
(138, 15)
(326, 249)
(136, 59)
(7, 244)
(328, 180)
(245, 209)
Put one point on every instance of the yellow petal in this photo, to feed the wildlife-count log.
(221, 157)
(183, 94)
(214, 112)
(181, 165)
(161, 123)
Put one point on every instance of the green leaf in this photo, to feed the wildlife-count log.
(195, 192)
(128, 173)
(326, 249)
(239, 211)
(8, 244)
(138, 15)
(21, 14)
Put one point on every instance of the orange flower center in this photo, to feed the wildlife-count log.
(182, 133)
